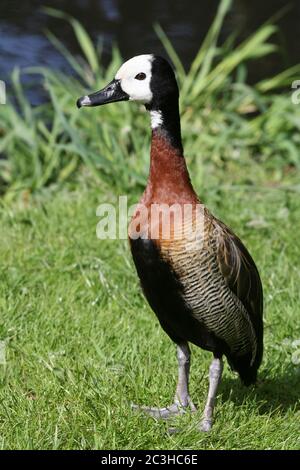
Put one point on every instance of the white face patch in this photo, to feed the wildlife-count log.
(137, 90)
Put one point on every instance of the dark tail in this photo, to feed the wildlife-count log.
(246, 371)
(249, 376)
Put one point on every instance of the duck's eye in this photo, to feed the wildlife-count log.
(140, 76)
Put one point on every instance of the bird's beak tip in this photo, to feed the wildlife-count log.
(83, 101)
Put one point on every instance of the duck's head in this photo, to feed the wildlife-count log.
(148, 79)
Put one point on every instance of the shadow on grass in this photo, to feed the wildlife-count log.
(280, 393)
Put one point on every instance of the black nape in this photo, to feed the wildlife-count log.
(165, 99)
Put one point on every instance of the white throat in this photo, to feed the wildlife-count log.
(156, 119)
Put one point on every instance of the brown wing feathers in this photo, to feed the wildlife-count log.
(242, 277)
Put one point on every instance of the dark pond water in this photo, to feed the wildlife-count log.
(129, 23)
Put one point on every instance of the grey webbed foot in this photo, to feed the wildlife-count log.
(165, 413)
(182, 400)
(206, 425)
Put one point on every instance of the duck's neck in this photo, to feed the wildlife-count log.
(165, 121)
(168, 172)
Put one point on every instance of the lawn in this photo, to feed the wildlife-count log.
(81, 343)
(78, 342)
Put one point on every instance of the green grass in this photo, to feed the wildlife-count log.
(81, 343)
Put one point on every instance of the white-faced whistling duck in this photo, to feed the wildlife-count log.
(204, 289)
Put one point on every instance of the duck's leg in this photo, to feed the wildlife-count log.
(182, 398)
(215, 374)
